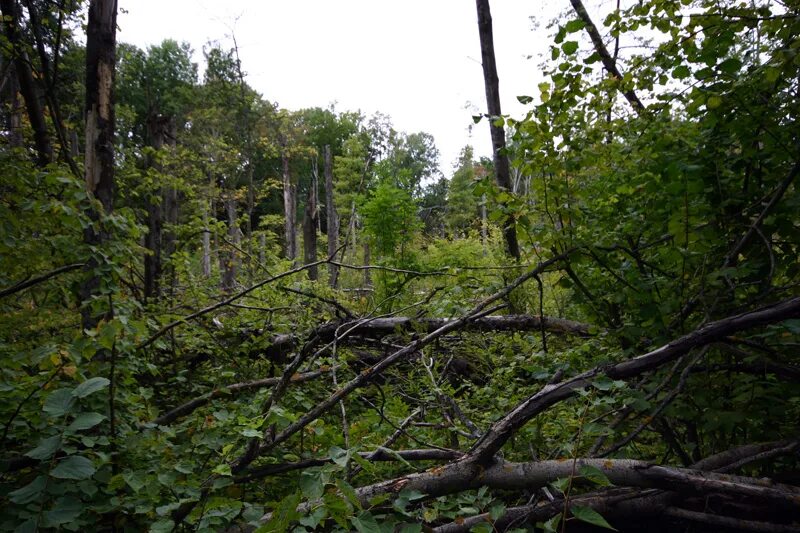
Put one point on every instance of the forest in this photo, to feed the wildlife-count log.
(219, 314)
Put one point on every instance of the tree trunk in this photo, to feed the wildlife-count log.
(289, 211)
(27, 86)
(99, 158)
(332, 218)
(501, 166)
(310, 226)
(11, 106)
(229, 258)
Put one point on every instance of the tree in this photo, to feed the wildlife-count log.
(99, 158)
(491, 82)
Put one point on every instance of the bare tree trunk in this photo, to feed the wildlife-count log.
(310, 226)
(27, 86)
(289, 211)
(332, 217)
(501, 166)
(229, 258)
(99, 159)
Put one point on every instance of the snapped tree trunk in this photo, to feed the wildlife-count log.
(310, 226)
(332, 218)
(491, 81)
(99, 159)
(27, 85)
(289, 211)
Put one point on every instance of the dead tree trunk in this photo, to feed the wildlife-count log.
(332, 218)
(289, 211)
(99, 159)
(27, 85)
(310, 226)
(501, 166)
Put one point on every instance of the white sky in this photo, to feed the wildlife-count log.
(417, 61)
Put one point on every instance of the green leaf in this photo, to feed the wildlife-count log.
(411, 528)
(497, 510)
(29, 492)
(223, 470)
(365, 523)
(681, 72)
(59, 402)
(74, 467)
(46, 448)
(313, 519)
(595, 475)
(134, 480)
(90, 386)
(525, 99)
(574, 25)
(349, 492)
(65, 510)
(713, 102)
(312, 485)
(162, 526)
(85, 421)
(551, 526)
(339, 456)
(569, 47)
(482, 527)
(590, 516)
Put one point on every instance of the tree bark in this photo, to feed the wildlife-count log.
(491, 81)
(310, 226)
(609, 62)
(27, 85)
(99, 158)
(289, 211)
(332, 218)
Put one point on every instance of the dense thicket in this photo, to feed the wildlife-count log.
(175, 356)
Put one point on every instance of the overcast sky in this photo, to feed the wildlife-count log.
(415, 60)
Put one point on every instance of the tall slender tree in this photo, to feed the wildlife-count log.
(492, 83)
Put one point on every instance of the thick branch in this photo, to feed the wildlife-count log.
(379, 327)
(22, 285)
(551, 394)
